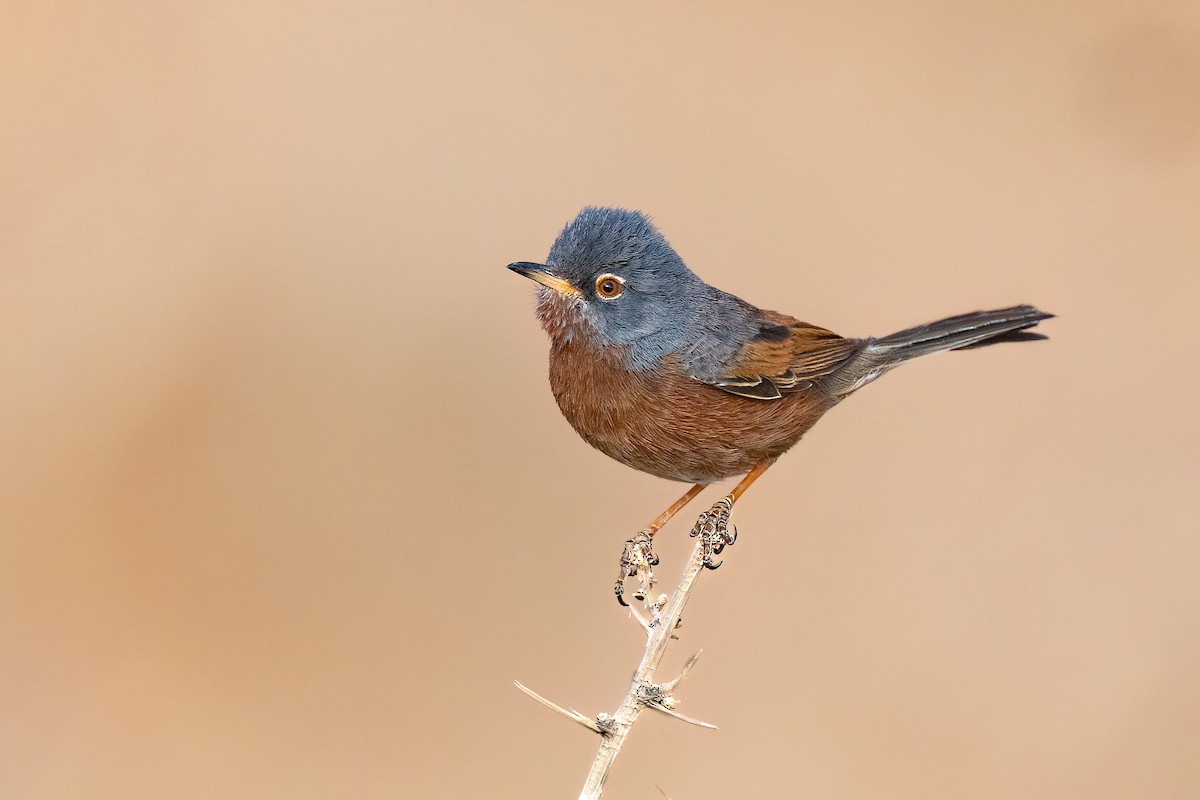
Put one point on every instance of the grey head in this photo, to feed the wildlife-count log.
(612, 275)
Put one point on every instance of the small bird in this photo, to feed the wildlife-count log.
(671, 376)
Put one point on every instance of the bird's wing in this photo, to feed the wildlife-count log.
(786, 355)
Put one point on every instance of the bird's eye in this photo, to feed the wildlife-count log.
(609, 287)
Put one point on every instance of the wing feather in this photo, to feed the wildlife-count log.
(770, 364)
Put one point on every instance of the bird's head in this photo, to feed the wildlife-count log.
(611, 274)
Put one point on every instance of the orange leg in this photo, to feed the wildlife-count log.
(744, 484)
(665, 517)
(713, 525)
(750, 478)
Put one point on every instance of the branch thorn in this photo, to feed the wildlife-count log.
(569, 713)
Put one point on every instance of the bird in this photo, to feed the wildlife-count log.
(674, 377)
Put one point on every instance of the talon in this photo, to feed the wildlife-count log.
(619, 590)
(637, 561)
(713, 528)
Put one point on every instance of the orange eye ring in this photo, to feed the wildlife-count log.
(609, 286)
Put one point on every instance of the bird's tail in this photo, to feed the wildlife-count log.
(977, 329)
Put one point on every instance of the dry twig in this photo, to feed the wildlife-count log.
(643, 692)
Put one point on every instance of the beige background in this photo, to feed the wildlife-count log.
(286, 504)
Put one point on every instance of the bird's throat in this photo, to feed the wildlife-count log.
(561, 316)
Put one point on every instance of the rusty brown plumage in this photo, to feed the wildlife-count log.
(668, 423)
(663, 421)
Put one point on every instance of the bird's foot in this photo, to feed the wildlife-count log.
(714, 531)
(637, 560)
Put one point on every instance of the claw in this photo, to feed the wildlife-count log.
(637, 561)
(713, 528)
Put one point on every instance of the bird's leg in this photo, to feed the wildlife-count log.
(713, 525)
(638, 558)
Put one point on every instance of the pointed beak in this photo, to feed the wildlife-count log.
(541, 274)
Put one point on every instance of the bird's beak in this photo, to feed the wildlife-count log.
(541, 274)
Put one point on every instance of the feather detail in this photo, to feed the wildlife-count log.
(769, 364)
(762, 389)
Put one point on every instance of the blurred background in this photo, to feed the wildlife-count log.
(286, 503)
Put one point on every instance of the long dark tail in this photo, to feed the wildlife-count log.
(977, 329)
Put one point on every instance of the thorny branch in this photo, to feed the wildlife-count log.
(643, 692)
